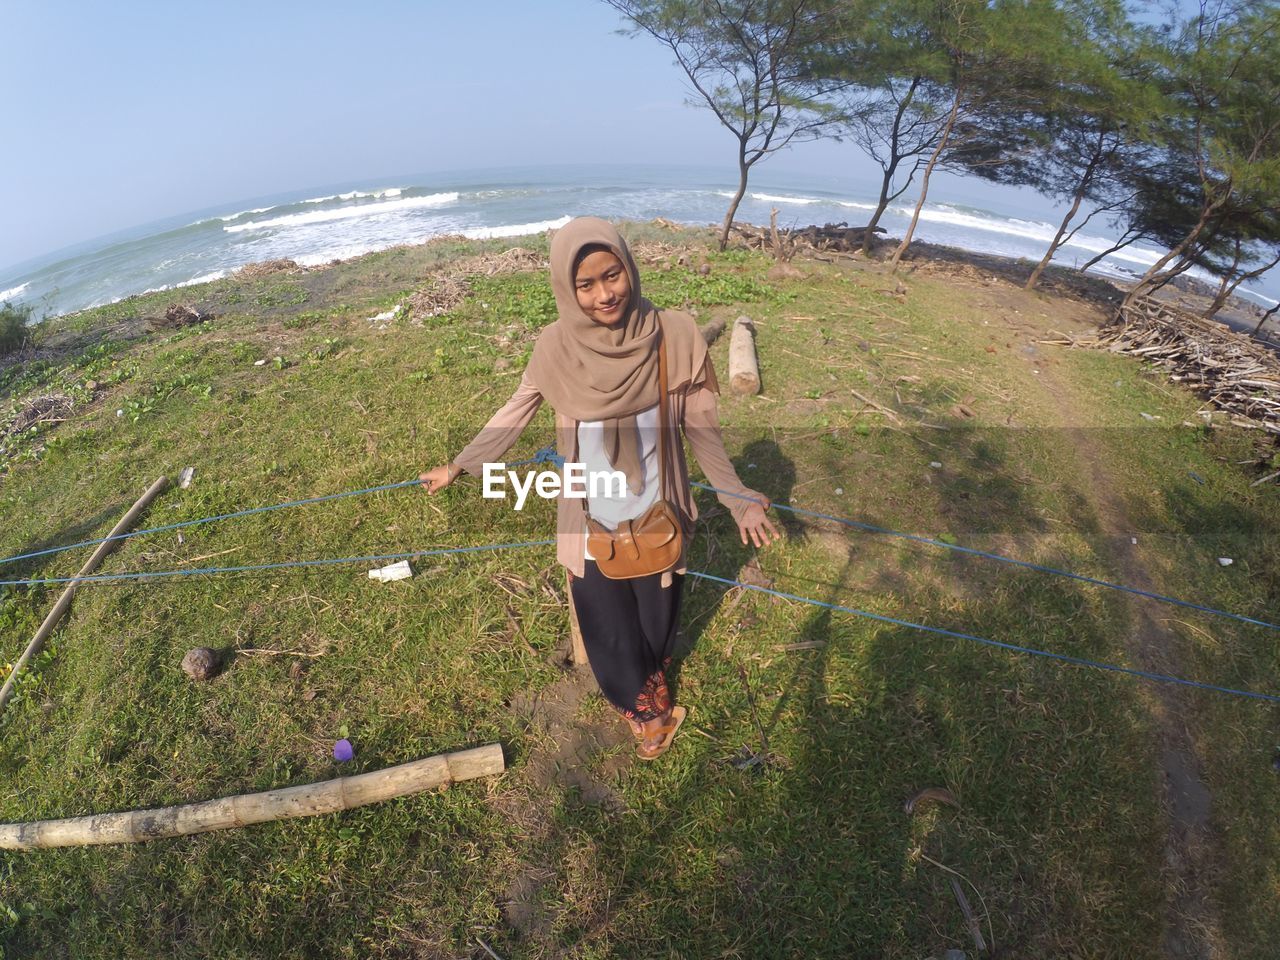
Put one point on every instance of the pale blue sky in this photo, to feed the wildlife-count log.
(123, 113)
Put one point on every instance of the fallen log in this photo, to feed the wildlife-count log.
(712, 329)
(308, 800)
(744, 366)
(64, 602)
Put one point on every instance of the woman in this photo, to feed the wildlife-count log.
(598, 367)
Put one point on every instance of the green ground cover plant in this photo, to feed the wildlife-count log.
(775, 827)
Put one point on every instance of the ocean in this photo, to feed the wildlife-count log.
(346, 220)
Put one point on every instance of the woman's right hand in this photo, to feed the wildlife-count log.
(437, 478)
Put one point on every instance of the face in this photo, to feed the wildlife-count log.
(603, 287)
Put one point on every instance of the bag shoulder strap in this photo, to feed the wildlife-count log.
(663, 401)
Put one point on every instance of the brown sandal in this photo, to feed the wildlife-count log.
(668, 732)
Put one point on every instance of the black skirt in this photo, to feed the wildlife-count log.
(629, 630)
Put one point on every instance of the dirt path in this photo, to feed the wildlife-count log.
(569, 755)
(1192, 926)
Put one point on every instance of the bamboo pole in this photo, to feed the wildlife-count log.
(575, 630)
(64, 602)
(308, 800)
(744, 367)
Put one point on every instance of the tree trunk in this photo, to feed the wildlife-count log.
(743, 167)
(924, 182)
(1144, 284)
(1229, 286)
(1081, 188)
(868, 236)
(1265, 317)
(1053, 246)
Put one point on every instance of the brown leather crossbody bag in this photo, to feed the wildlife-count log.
(652, 542)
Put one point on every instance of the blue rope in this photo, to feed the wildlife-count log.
(542, 455)
(1067, 658)
(548, 454)
(197, 571)
(215, 519)
(995, 556)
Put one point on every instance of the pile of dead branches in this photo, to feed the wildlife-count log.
(830, 238)
(48, 408)
(1238, 374)
(451, 285)
(438, 296)
(265, 268)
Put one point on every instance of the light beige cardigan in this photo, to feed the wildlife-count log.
(692, 407)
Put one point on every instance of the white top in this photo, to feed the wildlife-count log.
(610, 511)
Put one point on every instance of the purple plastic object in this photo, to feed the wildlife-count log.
(343, 751)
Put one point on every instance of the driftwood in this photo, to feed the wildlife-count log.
(64, 602)
(783, 244)
(712, 329)
(309, 800)
(1236, 373)
(744, 367)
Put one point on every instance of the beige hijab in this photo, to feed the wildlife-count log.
(589, 371)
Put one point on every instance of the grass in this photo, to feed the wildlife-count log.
(1061, 828)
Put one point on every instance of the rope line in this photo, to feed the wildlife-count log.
(1066, 658)
(214, 519)
(196, 571)
(539, 457)
(549, 455)
(871, 528)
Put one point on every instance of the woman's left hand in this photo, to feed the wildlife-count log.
(757, 526)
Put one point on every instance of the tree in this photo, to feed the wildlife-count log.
(1224, 144)
(890, 103)
(748, 62)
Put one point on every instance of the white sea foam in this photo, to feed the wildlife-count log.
(778, 198)
(346, 213)
(6, 295)
(242, 213)
(357, 194)
(205, 278)
(774, 198)
(514, 229)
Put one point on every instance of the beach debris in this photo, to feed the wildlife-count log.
(930, 795)
(201, 663)
(46, 408)
(830, 238)
(1196, 477)
(1147, 416)
(343, 752)
(744, 366)
(1134, 541)
(184, 477)
(746, 758)
(839, 491)
(1225, 561)
(712, 329)
(267, 267)
(386, 314)
(975, 930)
(260, 363)
(179, 315)
(1235, 372)
(396, 571)
(935, 464)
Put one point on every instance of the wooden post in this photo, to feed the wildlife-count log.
(575, 630)
(64, 602)
(744, 367)
(308, 800)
